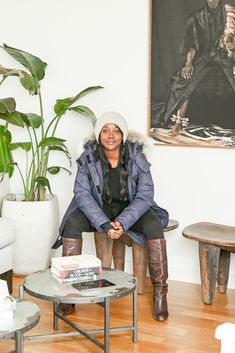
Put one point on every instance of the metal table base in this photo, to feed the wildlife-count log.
(105, 303)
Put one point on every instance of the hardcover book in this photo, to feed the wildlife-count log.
(77, 272)
(77, 279)
(75, 262)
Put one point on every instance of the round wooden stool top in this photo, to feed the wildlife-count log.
(172, 224)
(211, 233)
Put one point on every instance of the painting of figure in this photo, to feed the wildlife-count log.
(193, 72)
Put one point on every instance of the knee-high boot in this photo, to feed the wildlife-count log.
(71, 247)
(157, 260)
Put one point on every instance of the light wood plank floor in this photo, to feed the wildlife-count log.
(189, 329)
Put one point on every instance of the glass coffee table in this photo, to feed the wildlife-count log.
(25, 316)
(43, 285)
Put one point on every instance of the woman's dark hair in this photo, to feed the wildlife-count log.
(122, 169)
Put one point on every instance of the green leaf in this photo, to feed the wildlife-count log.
(29, 82)
(86, 91)
(87, 112)
(6, 133)
(31, 119)
(56, 169)
(13, 118)
(7, 105)
(6, 158)
(35, 65)
(59, 148)
(63, 104)
(26, 146)
(43, 182)
(51, 141)
(64, 150)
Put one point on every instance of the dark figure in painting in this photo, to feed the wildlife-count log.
(202, 93)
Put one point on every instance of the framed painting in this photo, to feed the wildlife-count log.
(193, 72)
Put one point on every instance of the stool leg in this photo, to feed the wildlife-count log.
(140, 260)
(223, 273)
(104, 248)
(209, 262)
(119, 255)
(7, 276)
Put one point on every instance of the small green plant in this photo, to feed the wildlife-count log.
(42, 137)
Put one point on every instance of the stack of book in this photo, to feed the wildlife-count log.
(77, 268)
(7, 302)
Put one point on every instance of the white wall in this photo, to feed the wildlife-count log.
(105, 42)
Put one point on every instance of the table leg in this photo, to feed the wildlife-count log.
(209, 263)
(223, 273)
(21, 291)
(55, 317)
(106, 325)
(19, 342)
(135, 315)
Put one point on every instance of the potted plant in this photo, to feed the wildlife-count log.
(42, 142)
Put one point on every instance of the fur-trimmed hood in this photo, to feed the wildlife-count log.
(133, 136)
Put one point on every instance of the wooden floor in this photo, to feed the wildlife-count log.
(189, 329)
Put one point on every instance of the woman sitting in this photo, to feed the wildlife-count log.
(113, 193)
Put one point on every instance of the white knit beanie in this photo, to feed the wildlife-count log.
(111, 118)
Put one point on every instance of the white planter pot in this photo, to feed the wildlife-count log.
(4, 187)
(36, 225)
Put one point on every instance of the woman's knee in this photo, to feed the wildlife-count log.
(154, 235)
(76, 224)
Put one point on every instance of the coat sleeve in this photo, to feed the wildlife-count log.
(85, 201)
(143, 198)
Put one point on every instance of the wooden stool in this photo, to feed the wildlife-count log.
(108, 249)
(216, 242)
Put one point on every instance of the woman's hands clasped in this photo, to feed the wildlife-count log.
(116, 231)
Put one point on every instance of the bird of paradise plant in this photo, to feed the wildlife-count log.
(42, 136)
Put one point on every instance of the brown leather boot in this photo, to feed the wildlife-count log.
(71, 247)
(157, 260)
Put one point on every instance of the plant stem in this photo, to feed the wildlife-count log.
(41, 162)
(52, 121)
(41, 111)
(3, 79)
(56, 124)
(22, 178)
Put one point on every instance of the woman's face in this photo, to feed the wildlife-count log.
(213, 3)
(111, 137)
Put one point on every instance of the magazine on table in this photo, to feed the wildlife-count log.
(89, 285)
